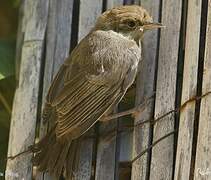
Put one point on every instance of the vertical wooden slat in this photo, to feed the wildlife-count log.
(138, 2)
(106, 149)
(203, 152)
(113, 3)
(145, 88)
(128, 2)
(24, 114)
(89, 11)
(162, 153)
(189, 88)
(57, 49)
(124, 139)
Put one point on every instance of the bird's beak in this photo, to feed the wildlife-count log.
(153, 26)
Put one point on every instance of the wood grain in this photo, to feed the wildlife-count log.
(24, 114)
(203, 152)
(89, 11)
(189, 88)
(162, 153)
(113, 3)
(106, 148)
(145, 88)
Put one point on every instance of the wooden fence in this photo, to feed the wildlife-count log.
(170, 139)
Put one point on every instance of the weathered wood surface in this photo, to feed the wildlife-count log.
(83, 169)
(106, 156)
(89, 11)
(145, 88)
(24, 114)
(124, 140)
(203, 153)
(139, 2)
(162, 153)
(189, 90)
(113, 3)
(57, 49)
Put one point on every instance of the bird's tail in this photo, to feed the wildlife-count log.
(51, 155)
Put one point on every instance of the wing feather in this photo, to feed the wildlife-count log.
(77, 98)
(80, 118)
(70, 117)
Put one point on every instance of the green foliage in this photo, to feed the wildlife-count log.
(4, 136)
(7, 56)
(7, 88)
(15, 3)
(8, 28)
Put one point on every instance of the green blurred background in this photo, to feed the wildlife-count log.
(8, 29)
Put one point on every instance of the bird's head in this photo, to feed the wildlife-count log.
(131, 21)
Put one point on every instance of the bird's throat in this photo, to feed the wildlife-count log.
(131, 36)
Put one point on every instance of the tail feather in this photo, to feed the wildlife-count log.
(72, 160)
(51, 154)
(62, 158)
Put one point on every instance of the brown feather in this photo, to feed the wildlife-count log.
(93, 104)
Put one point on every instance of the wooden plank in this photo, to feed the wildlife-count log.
(189, 88)
(24, 114)
(89, 11)
(57, 49)
(162, 153)
(106, 148)
(63, 20)
(145, 88)
(128, 2)
(113, 3)
(124, 139)
(203, 152)
(83, 169)
(139, 2)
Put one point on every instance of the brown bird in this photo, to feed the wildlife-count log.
(91, 81)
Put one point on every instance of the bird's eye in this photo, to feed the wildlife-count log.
(131, 24)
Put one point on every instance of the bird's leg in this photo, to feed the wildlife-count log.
(134, 111)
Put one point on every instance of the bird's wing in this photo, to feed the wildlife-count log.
(82, 106)
(82, 91)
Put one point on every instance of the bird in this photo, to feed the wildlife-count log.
(91, 81)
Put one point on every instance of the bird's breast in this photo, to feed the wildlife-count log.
(110, 55)
(113, 50)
